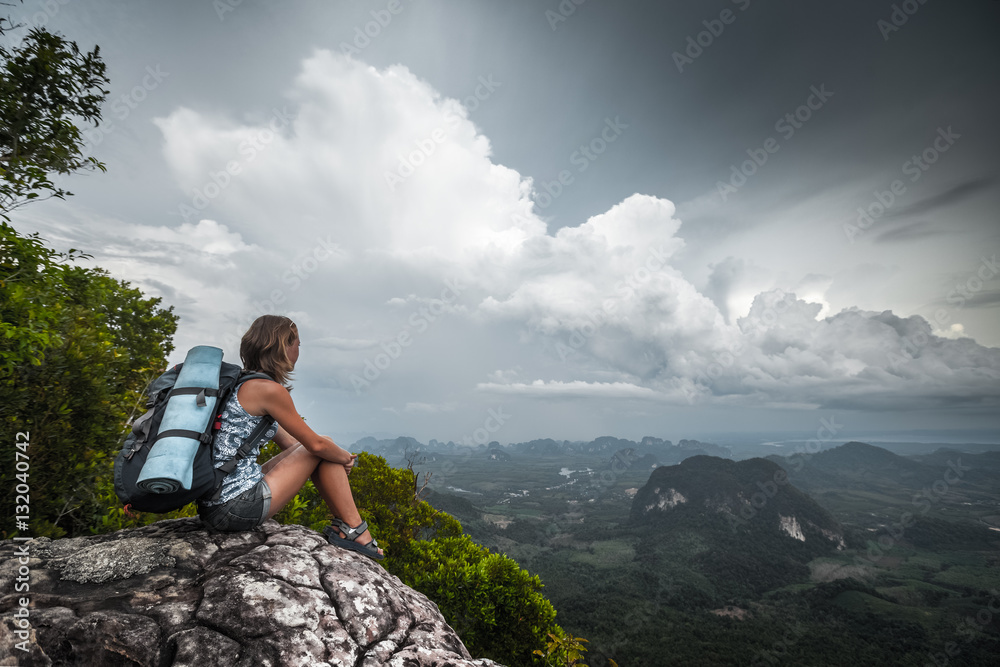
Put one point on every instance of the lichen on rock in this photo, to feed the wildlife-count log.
(114, 560)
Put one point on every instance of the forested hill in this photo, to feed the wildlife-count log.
(856, 465)
(754, 495)
(752, 529)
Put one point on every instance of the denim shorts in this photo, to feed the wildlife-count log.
(244, 512)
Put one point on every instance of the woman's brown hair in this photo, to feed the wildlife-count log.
(265, 344)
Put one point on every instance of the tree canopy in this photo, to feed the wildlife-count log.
(47, 86)
(77, 348)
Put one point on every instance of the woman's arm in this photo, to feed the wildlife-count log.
(283, 440)
(264, 397)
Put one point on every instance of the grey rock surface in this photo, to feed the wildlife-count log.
(176, 594)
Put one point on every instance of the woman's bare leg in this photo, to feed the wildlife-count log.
(271, 462)
(287, 472)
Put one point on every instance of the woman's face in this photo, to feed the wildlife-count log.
(293, 351)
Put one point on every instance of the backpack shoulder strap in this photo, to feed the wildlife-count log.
(246, 375)
(264, 431)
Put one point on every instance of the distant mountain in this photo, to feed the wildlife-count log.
(548, 447)
(497, 454)
(544, 447)
(854, 455)
(741, 523)
(986, 464)
(856, 465)
(662, 450)
(707, 447)
(396, 448)
(604, 445)
(629, 458)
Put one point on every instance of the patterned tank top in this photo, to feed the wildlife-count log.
(237, 424)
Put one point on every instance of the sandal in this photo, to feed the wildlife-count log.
(369, 549)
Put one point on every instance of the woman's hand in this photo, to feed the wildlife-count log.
(352, 458)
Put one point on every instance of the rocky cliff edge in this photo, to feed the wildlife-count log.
(175, 594)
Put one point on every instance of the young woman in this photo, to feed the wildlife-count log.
(253, 493)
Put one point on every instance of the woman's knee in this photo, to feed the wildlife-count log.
(293, 462)
(327, 469)
(332, 468)
(278, 458)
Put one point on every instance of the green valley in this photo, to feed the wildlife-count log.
(663, 554)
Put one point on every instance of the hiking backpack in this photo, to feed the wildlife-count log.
(188, 405)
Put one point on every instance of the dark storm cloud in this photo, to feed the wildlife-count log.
(954, 195)
(985, 300)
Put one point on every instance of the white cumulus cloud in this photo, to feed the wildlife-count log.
(368, 208)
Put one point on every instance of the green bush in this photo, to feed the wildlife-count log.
(495, 606)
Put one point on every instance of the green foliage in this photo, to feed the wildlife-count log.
(389, 500)
(47, 85)
(565, 651)
(77, 348)
(495, 606)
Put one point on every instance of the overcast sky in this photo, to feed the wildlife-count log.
(535, 218)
